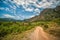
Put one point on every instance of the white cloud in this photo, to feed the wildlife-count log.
(19, 2)
(29, 9)
(12, 7)
(17, 17)
(37, 10)
(25, 4)
(49, 3)
(42, 4)
(32, 16)
(1, 8)
(25, 17)
(22, 2)
(7, 9)
(11, 4)
(8, 16)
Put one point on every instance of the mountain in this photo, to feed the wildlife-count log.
(8, 19)
(47, 14)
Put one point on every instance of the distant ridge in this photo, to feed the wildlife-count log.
(8, 19)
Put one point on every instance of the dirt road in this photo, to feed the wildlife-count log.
(39, 34)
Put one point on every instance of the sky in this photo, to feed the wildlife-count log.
(24, 9)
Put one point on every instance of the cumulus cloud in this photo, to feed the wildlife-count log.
(32, 16)
(47, 3)
(25, 17)
(37, 10)
(42, 3)
(14, 17)
(29, 9)
(26, 4)
(8, 16)
(6, 9)
(1, 8)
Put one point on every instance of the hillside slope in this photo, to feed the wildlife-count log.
(48, 14)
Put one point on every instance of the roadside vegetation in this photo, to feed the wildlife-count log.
(7, 28)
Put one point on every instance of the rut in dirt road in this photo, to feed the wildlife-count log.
(39, 34)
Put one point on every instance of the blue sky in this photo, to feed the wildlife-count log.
(24, 9)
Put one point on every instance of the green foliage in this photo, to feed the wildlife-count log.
(13, 27)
